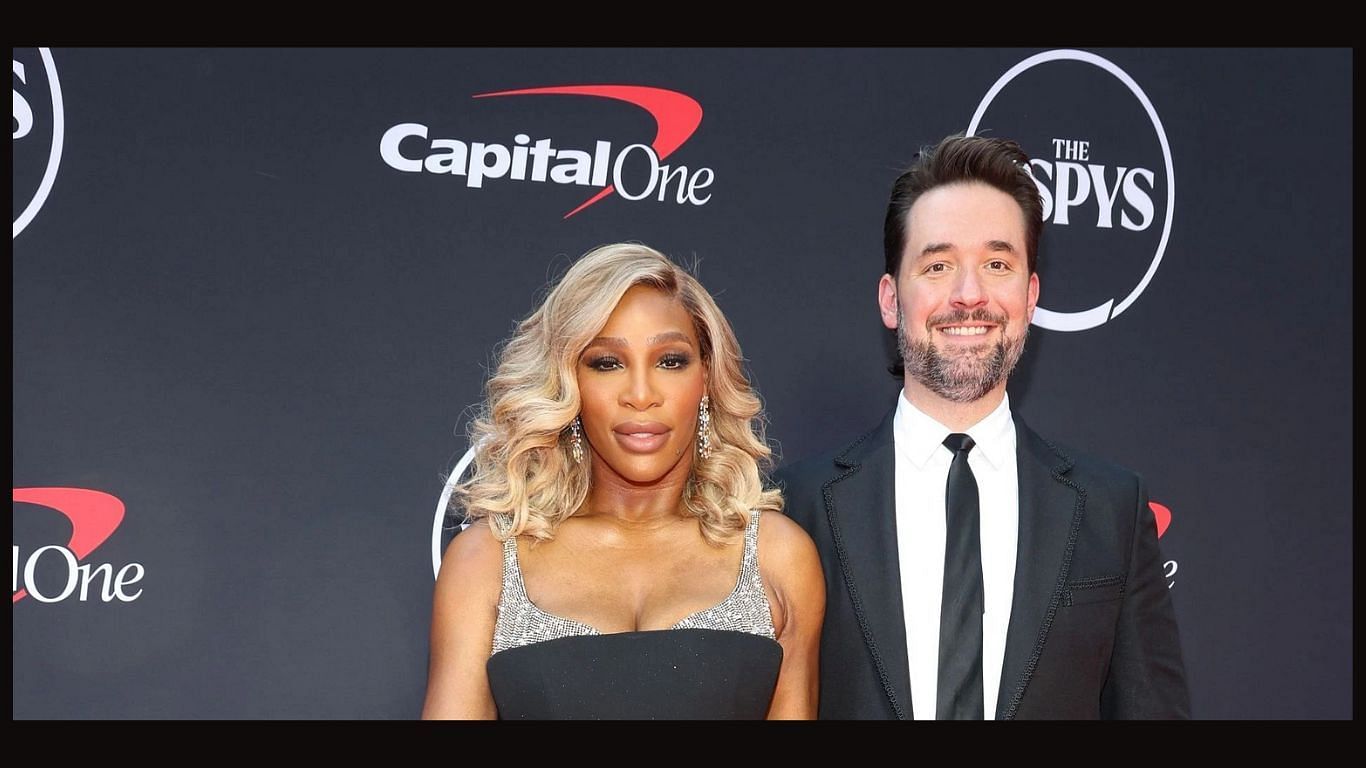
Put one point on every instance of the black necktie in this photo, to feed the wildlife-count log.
(960, 615)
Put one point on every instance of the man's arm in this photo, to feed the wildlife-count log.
(1147, 679)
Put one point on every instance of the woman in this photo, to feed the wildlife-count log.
(625, 560)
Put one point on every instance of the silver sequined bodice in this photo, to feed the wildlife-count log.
(520, 622)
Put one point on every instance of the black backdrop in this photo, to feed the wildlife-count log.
(259, 340)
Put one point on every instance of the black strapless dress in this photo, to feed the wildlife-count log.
(675, 674)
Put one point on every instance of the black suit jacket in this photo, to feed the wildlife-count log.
(1092, 633)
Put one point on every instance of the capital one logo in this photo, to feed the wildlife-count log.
(37, 131)
(94, 516)
(635, 172)
(1102, 164)
(1162, 515)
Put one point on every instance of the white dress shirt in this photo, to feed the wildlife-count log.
(922, 472)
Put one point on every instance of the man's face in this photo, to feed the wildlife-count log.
(963, 299)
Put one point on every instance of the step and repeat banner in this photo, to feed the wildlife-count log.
(257, 292)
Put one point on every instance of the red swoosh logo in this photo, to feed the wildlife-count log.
(1163, 516)
(93, 514)
(676, 115)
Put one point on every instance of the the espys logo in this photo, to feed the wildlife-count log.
(635, 172)
(1101, 161)
(37, 134)
(93, 515)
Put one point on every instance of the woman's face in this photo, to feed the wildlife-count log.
(640, 382)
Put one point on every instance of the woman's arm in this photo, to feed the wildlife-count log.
(464, 609)
(791, 569)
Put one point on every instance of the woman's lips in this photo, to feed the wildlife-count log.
(641, 437)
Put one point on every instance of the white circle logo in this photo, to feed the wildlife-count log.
(25, 120)
(442, 505)
(1078, 180)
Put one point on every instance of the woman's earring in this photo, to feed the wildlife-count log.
(704, 428)
(576, 440)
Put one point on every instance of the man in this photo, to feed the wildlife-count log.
(974, 569)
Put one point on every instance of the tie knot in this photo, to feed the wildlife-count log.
(959, 443)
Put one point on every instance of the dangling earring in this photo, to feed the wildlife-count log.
(576, 440)
(704, 428)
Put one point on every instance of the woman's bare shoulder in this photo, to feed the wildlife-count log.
(473, 559)
(784, 546)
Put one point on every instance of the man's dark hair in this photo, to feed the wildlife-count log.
(1000, 163)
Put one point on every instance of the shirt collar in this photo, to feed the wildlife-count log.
(917, 436)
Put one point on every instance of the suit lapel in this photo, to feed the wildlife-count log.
(860, 505)
(1051, 508)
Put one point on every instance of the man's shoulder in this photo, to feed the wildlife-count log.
(816, 470)
(1083, 466)
(810, 471)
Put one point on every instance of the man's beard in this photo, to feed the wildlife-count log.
(969, 374)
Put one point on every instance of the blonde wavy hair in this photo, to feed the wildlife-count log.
(524, 480)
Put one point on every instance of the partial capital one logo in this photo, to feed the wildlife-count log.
(94, 516)
(1162, 515)
(635, 172)
(1101, 161)
(37, 131)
